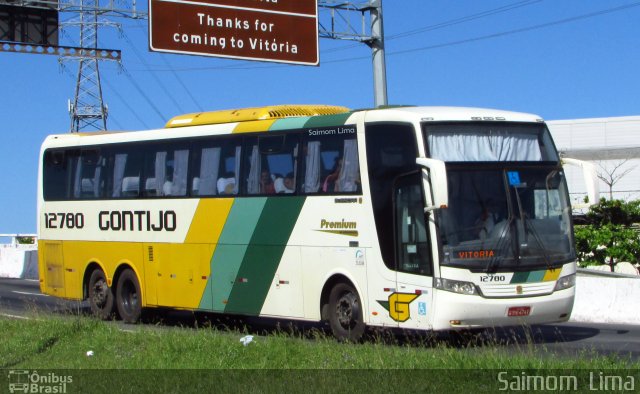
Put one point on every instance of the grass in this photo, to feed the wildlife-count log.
(301, 360)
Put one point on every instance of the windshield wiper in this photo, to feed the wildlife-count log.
(495, 261)
(523, 225)
(530, 226)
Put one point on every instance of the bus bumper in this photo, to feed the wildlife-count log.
(459, 311)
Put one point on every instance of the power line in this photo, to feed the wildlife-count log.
(135, 114)
(449, 23)
(177, 77)
(143, 94)
(115, 120)
(500, 34)
(152, 73)
(181, 82)
(464, 19)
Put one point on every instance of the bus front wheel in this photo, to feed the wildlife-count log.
(345, 313)
(128, 297)
(100, 295)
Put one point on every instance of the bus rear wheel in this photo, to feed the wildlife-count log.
(128, 297)
(345, 313)
(100, 295)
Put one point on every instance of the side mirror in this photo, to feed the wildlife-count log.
(590, 180)
(437, 177)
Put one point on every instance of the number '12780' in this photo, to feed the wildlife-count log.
(63, 220)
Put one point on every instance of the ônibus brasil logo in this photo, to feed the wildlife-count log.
(24, 381)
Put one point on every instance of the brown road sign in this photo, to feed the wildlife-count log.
(283, 31)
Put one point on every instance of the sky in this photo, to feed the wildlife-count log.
(560, 59)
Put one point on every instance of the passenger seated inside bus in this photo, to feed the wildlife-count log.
(266, 183)
(226, 184)
(485, 223)
(330, 183)
(284, 185)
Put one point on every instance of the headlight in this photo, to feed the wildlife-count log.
(456, 286)
(565, 282)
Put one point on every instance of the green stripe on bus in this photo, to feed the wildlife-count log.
(230, 251)
(519, 277)
(289, 123)
(536, 276)
(328, 120)
(528, 277)
(263, 255)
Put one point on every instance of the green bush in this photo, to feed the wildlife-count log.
(609, 237)
(25, 240)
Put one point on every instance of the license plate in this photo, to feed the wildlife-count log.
(519, 311)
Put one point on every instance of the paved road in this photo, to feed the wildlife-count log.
(20, 297)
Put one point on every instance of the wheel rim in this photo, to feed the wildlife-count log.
(347, 310)
(129, 296)
(100, 290)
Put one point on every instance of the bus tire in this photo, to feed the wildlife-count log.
(128, 297)
(345, 313)
(100, 295)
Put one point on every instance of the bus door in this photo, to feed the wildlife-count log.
(411, 304)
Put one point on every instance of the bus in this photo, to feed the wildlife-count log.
(421, 218)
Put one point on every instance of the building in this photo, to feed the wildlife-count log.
(611, 144)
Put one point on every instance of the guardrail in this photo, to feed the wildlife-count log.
(19, 260)
(606, 297)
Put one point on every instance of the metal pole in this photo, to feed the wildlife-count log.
(377, 50)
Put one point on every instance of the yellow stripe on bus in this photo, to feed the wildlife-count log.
(253, 126)
(552, 274)
(209, 220)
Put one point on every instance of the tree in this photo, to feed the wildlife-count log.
(615, 212)
(609, 236)
(611, 174)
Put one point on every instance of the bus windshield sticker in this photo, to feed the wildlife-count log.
(514, 178)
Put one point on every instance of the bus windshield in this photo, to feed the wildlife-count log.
(509, 208)
(506, 218)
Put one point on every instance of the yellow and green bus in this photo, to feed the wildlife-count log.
(428, 218)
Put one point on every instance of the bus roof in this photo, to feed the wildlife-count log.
(285, 117)
(450, 114)
(251, 114)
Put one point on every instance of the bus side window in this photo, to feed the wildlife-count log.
(57, 174)
(271, 160)
(331, 165)
(89, 175)
(166, 171)
(126, 169)
(216, 167)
